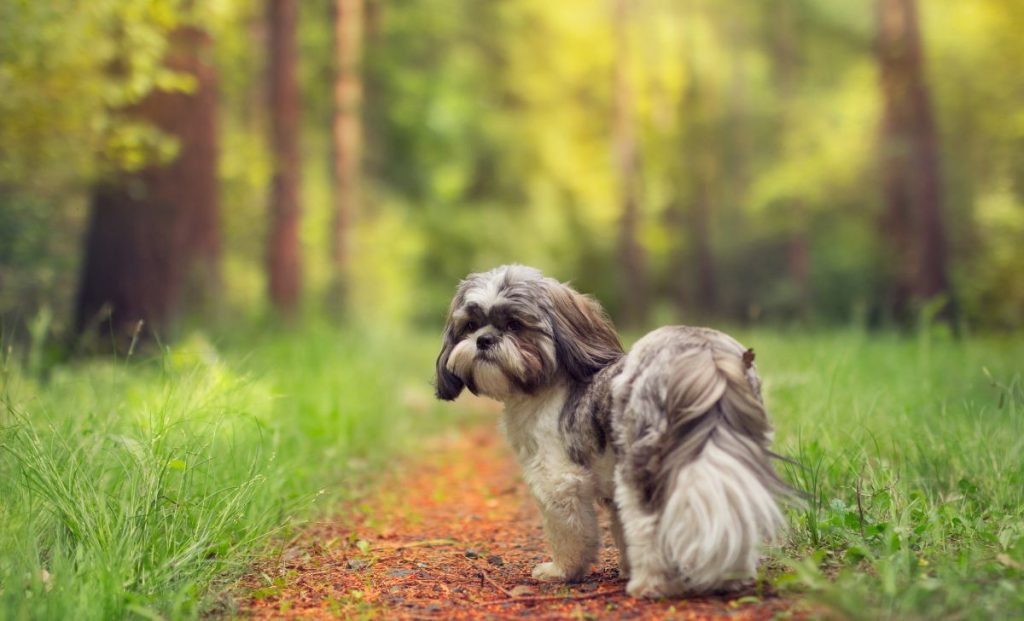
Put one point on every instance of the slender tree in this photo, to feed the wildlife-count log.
(347, 135)
(154, 230)
(283, 256)
(633, 276)
(695, 280)
(912, 184)
(786, 57)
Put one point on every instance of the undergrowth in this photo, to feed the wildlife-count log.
(911, 454)
(138, 488)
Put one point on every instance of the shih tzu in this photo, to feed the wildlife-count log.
(671, 438)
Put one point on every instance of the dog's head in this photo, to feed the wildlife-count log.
(511, 331)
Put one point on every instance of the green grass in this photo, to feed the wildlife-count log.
(912, 454)
(139, 489)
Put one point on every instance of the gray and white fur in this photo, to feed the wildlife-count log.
(671, 438)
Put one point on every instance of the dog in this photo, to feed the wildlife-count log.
(671, 438)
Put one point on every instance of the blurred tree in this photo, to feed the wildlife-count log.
(695, 183)
(808, 229)
(541, 132)
(786, 59)
(909, 159)
(283, 252)
(981, 120)
(633, 271)
(347, 135)
(155, 229)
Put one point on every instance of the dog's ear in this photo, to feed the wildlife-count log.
(585, 338)
(447, 385)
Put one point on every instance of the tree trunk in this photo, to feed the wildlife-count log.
(633, 277)
(698, 157)
(787, 60)
(912, 183)
(706, 302)
(283, 256)
(347, 135)
(798, 262)
(203, 239)
(155, 232)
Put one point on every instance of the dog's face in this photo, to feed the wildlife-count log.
(512, 331)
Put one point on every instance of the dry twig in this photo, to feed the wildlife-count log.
(494, 584)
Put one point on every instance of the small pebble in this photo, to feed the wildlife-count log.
(356, 563)
(399, 573)
(434, 608)
(495, 560)
(472, 553)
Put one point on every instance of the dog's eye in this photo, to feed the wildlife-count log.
(513, 325)
(470, 326)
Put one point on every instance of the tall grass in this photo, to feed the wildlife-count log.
(138, 488)
(128, 488)
(912, 455)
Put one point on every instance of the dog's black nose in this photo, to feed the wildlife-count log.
(484, 341)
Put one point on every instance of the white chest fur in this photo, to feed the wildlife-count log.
(564, 490)
(531, 426)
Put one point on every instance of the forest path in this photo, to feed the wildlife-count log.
(453, 534)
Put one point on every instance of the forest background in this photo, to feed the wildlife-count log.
(706, 161)
(261, 209)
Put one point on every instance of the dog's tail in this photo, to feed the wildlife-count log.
(716, 477)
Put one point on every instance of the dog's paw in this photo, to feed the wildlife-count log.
(549, 572)
(738, 586)
(648, 588)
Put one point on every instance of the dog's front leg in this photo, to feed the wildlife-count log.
(570, 523)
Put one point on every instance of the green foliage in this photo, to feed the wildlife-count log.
(69, 68)
(130, 488)
(488, 139)
(910, 453)
(68, 71)
(141, 488)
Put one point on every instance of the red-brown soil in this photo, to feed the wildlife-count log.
(453, 534)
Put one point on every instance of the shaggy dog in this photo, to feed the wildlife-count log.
(671, 438)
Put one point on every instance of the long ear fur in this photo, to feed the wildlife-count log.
(585, 338)
(447, 385)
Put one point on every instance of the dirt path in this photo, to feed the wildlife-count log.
(453, 535)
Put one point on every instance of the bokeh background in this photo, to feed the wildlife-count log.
(684, 160)
(263, 207)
